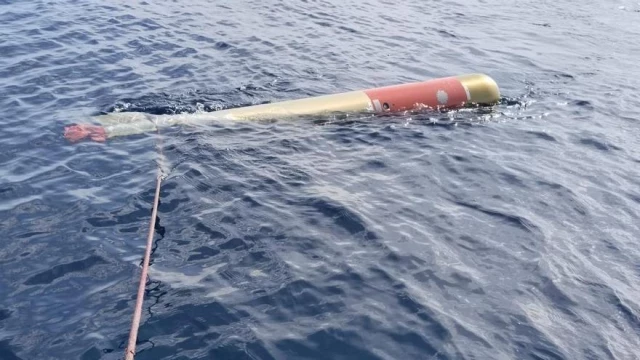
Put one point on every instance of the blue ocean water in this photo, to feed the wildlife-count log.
(507, 233)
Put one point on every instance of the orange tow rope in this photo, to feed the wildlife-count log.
(131, 348)
(135, 324)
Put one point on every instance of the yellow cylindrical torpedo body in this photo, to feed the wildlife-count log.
(444, 93)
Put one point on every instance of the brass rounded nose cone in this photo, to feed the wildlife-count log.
(481, 88)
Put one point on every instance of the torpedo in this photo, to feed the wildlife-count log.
(442, 93)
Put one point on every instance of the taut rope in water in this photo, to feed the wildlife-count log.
(135, 324)
(131, 348)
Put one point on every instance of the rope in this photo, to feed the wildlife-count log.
(133, 335)
(135, 324)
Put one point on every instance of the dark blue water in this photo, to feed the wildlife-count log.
(508, 233)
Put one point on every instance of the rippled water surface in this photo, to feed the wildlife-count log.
(503, 233)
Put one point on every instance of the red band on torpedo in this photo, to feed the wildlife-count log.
(446, 92)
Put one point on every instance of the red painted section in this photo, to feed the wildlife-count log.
(75, 133)
(412, 96)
